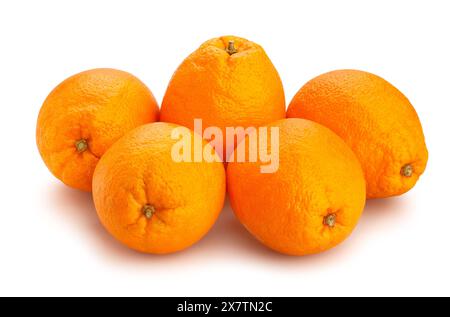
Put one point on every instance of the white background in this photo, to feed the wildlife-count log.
(51, 242)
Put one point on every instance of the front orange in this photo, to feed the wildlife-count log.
(312, 202)
(148, 199)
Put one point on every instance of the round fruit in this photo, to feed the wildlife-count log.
(151, 202)
(84, 115)
(312, 202)
(227, 82)
(375, 119)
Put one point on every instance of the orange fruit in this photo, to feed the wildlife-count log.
(375, 119)
(151, 202)
(312, 202)
(227, 82)
(84, 115)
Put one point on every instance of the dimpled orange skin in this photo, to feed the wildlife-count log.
(183, 199)
(375, 119)
(318, 177)
(95, 107)
(241, 89)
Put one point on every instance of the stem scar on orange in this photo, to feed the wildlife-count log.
(84, 115)
(312, 202)
(375, 119)
(152, 203)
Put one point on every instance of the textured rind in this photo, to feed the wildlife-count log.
(99, 105)
(318, 175)
(138, 170)
(375, 119)
(243, 89)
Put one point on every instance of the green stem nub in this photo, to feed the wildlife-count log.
(329, 220)
(148, 211)
(230, 48)
(81, 145)
(407, 170)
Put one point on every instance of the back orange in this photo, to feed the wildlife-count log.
(84, 115)
(375, 119)
(227, 82)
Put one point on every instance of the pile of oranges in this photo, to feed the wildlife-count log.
(347, 136)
